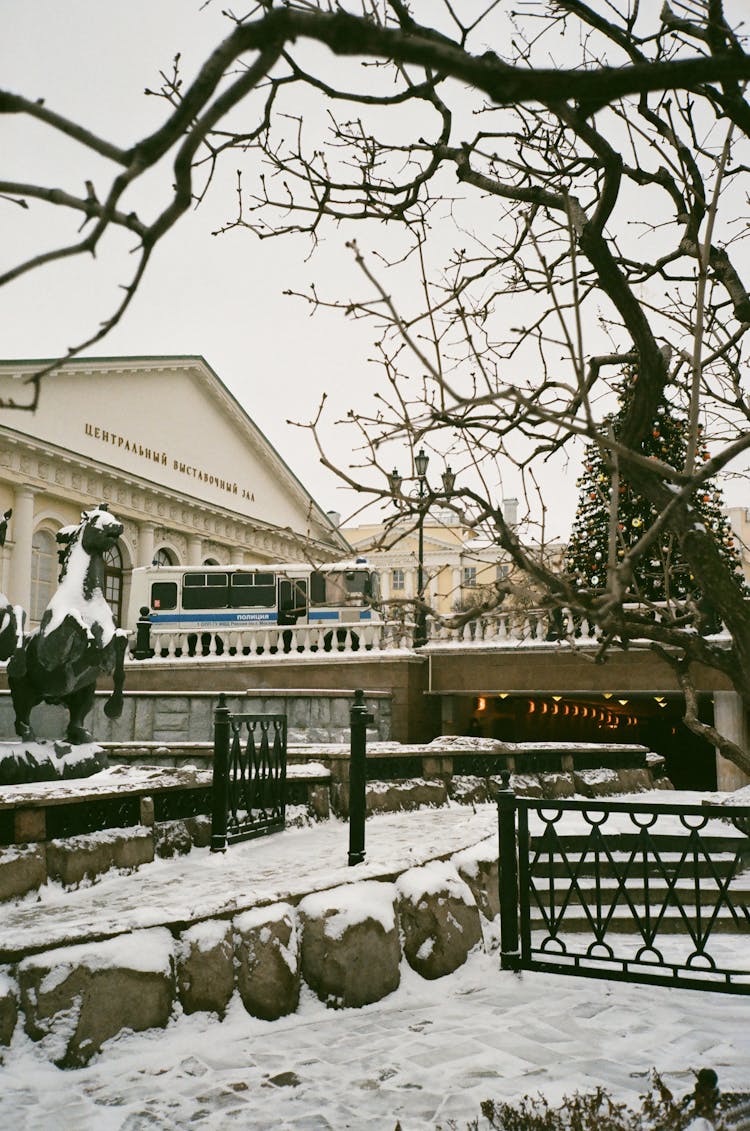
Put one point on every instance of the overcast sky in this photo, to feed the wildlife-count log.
(216, 296)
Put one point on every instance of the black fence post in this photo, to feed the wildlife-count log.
(143, 650)
(506, 820)
(358, 720)
(220, 784)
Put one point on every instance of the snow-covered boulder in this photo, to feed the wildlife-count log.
(439, 919)
(76, 998)
(350, 943)
(8, 1009)
(478, 867)
(267, 953)
(205, 967)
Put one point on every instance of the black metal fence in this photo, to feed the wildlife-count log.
(249, 778)
(635, 891)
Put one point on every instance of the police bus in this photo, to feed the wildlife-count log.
(210, 600)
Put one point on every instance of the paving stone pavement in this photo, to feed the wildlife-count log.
(425, 1056)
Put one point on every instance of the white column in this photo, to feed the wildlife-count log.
(194, 550)
(145, 543)
(410, 582)
(456, 576)
(19, 575)
(385, 584)
(731, 721)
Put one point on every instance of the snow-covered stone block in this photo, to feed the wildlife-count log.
(133, 848)
(597, 783)
(478, 867)
(172, 838)
(635, 780)
(8, 1009)
(23, 868)
(468, 789)
(439, 919)
(44, 760)
(319, 801)
(76, 998)
(556, 785)
(205, 967)
(85, 857)
(393, 796)
(350, 943)
(267, 953)
(526, 785)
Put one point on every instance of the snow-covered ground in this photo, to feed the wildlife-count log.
(427, 1054)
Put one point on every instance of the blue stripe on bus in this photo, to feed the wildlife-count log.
(243, 617)
(198, 618)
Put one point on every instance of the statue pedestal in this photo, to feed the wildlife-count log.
(48, 760)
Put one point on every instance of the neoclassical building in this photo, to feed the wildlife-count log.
(162, 440)
(457, 564)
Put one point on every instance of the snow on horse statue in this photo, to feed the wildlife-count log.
(77, 639)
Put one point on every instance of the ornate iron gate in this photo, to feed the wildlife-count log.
(635, 891)
(249, 779)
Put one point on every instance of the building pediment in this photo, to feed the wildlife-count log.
(172, 422)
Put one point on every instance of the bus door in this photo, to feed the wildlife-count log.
(292, 600)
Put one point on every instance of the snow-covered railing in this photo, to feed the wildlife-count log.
(515, 626)
(510, 628)
(306, 640)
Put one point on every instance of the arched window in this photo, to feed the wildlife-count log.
(44, 570)
(210, 561)
(113, 581)
(162, 557)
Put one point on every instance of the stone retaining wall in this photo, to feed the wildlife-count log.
(348, 944)
(318, 715)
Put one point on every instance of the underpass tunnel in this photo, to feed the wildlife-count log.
(651, 720)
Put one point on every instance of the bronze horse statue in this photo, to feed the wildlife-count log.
(77, 639)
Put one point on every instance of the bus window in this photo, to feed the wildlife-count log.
(317, 589)
(205, 591)
(351, 587)
(164, 595)
(252, 591)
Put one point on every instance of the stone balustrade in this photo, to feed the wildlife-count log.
(274, 641)
(501, 628)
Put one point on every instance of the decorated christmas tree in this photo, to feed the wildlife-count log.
(661, 573)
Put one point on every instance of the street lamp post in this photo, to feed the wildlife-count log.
(421, 461)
